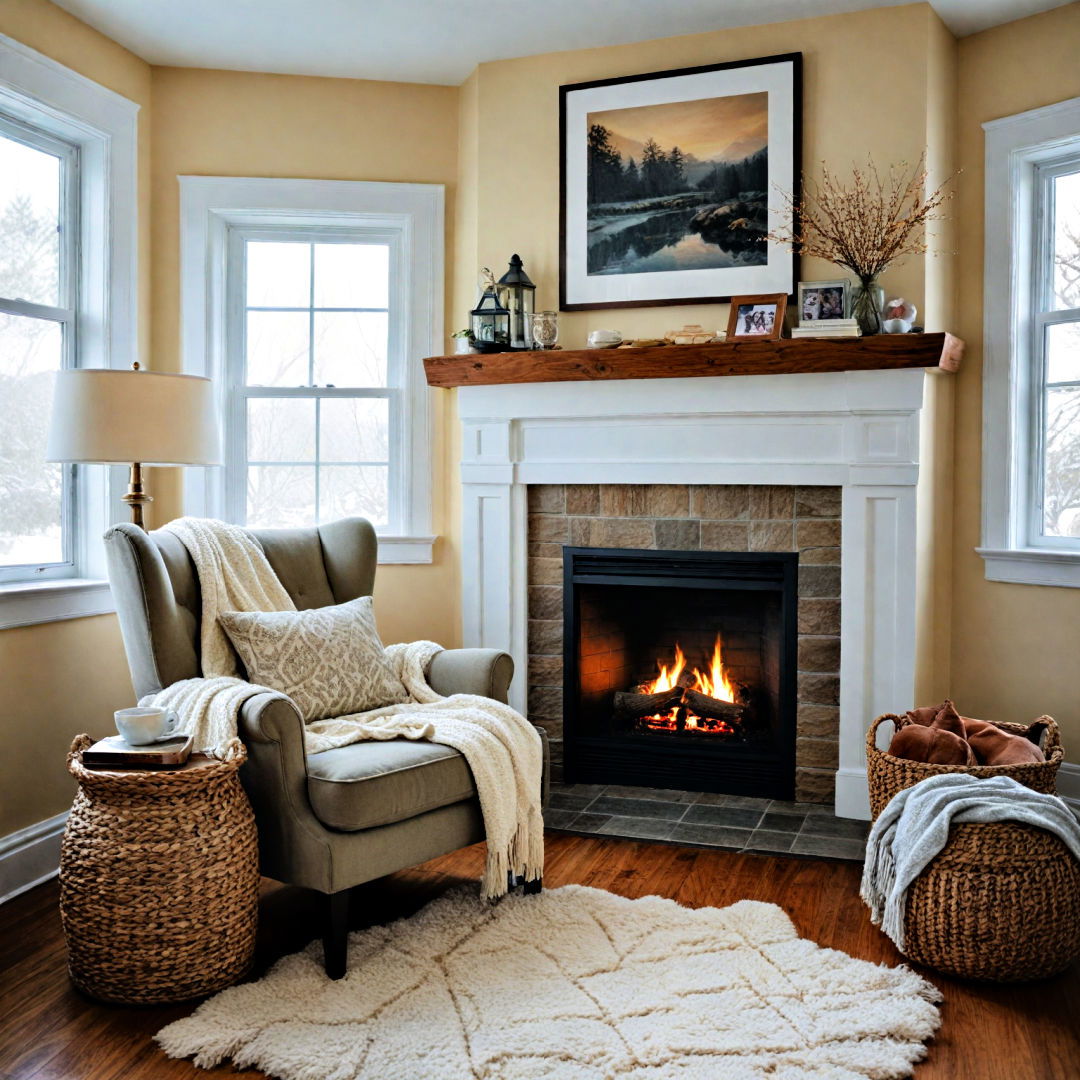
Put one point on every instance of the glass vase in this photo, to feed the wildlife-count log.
(867, 303)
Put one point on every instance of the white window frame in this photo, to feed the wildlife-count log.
(1018, 148)
(213, 210)
(101, 126)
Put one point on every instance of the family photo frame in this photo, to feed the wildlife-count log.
(669, 184)
(757, 318)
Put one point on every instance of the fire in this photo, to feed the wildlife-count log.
(714, 682)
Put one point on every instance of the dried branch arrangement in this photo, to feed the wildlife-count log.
(865, 225)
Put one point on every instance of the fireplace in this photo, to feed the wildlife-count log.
(680, 669)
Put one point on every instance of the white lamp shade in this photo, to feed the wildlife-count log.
(110, 416)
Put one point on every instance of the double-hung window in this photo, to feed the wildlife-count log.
(68, 225)
(315, 352)
(1031, 365)
(311, 304)
(39, 209)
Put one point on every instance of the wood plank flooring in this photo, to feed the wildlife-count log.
(49, 1031)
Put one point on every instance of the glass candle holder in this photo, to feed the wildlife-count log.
(545, 329)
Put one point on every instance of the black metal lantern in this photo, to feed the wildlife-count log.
(518, 296)
(490, 322)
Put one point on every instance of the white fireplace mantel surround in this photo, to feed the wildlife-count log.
(862, 431)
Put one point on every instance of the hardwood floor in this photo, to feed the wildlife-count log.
(49, 1031)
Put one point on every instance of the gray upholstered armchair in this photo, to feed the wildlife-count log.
(343, 817)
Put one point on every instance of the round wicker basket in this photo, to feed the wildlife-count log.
(1001, 901)
(159, 880)
(887, 775)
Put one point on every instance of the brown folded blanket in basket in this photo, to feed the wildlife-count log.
(939, 735)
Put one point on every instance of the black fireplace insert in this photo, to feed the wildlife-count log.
(680, 669)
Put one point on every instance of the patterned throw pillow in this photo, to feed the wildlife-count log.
(329, 660)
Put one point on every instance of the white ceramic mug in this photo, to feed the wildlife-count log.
(145, 724)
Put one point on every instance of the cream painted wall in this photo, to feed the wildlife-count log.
(60, 679)
(221, 123)
(1014, 646)
(867, 77)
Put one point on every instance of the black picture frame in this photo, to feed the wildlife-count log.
(579, 286)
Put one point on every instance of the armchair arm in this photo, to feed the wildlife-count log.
(486, 672)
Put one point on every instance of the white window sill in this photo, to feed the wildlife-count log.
(1033, 566)
(23, 603)
(407, 550)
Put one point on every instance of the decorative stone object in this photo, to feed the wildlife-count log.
(898, 317)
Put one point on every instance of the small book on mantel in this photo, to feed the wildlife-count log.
(827, 328)
(114, 752)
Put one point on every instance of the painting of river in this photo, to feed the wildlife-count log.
(678, 186)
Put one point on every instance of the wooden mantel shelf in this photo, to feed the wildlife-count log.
(785, 357)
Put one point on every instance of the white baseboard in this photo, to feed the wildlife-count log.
(30, 856)
(852, 795)
(1068, 783)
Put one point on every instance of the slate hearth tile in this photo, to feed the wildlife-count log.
(622, 791)
(558, 819)
(560, 800)
(826, 825)
(829, 847)
(730, 816)
(645, 808)
(785, 823)
(589, 823)
(637, 828)
(766, 840)
(745, 802)
(807, 808)
(712, 835)
(579, 789)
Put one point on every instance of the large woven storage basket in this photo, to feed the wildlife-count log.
(1001, 901)
(886, 774)
(159, 880)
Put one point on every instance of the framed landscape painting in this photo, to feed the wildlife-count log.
(669, 184)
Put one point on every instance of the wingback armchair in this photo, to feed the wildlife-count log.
(336, 819)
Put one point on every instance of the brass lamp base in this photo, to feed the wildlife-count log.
(135, 496)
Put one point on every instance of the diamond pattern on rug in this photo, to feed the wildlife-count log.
(573, 984)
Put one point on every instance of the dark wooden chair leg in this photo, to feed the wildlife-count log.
(533, 887)
(336, 934)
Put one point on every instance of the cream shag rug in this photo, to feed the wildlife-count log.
(573, 984)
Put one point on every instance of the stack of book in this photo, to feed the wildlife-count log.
(823, 328)
(114, 752)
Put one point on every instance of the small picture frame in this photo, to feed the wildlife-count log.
(757, 318)
(821, 301)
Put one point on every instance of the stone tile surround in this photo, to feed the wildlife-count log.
(691, 517)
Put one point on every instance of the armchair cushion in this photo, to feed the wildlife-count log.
(376, 783)
(329, 660)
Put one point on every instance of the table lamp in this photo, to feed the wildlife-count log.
(108, 416)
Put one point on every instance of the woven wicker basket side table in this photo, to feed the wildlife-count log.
(159, 879)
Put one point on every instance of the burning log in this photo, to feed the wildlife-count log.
(712, 708)
(633, 706)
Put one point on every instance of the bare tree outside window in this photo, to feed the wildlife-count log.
(31, 351)
(1061, 439)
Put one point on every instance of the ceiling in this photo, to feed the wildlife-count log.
(441, 41)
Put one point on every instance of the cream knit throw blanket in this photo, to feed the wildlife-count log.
(502, 748)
